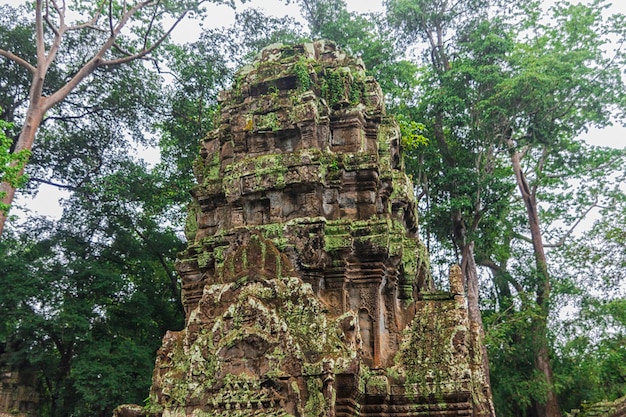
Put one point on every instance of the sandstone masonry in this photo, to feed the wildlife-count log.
(306, 289)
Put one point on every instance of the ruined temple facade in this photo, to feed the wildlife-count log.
(306, 288)
(18, 393)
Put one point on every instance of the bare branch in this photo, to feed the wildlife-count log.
(47, 19)
(18, 60)
(111, 19)
(522, 237)
(117, 47)
(154, 15)
(68, 118)
(540, 164)
(58, 35)
(54, 184)
(97, 59)
(567, 234)
(497, 268)
(145, 51)
(41, 53)
(91, 23)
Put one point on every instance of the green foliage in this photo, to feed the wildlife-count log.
(11, 164)
(339, 87)
(301, 69)
(87, 318)
(89, 296)
(491, 87)
(516, 383)
(412, 133)
(252, 31)
(192, 111)
(590, 356)
(591, 371)
(333, 87)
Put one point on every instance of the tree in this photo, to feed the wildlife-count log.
(104, 272)
(89, 296)
(517, 90)
(86, 317)
(590, 359)
(461, 178)
(116, 34)
(558, 83)
(570, 183)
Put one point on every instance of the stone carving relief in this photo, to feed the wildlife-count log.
(306, 289)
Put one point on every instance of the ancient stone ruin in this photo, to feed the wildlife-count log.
(615, 408)
(18, 394)
(306, 289)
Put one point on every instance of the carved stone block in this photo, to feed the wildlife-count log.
(306, 290)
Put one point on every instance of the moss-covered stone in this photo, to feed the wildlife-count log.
(306, 289)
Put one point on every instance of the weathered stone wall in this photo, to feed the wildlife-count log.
(615, 408)
(306, 289)
(18, 397)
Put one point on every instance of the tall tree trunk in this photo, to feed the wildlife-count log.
(479, 362)
(541, 355)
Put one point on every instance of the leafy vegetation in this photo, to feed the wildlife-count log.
(11, 163)
(492, 107)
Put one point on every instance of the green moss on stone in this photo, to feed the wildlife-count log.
(360, 161)
(204, 258)
(302, 71)
(377, 385)
(275, 232)
(267, 122)
(212, 166)
(191, 222)
(316, 404)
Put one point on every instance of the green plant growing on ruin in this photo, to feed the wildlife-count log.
(333, 87)
(237, 88)
(269, 122)
(316, 404)
(301, 70)
(356, 92)
(273, 91)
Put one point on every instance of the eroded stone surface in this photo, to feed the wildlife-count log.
(306, 289)
(18, 396)
(615, 408)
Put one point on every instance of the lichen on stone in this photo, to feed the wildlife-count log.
(306, 289)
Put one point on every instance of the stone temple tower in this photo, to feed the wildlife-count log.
(306, 289)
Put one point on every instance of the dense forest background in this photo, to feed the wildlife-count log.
(492, 97)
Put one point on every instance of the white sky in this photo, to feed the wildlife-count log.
(223, 16)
